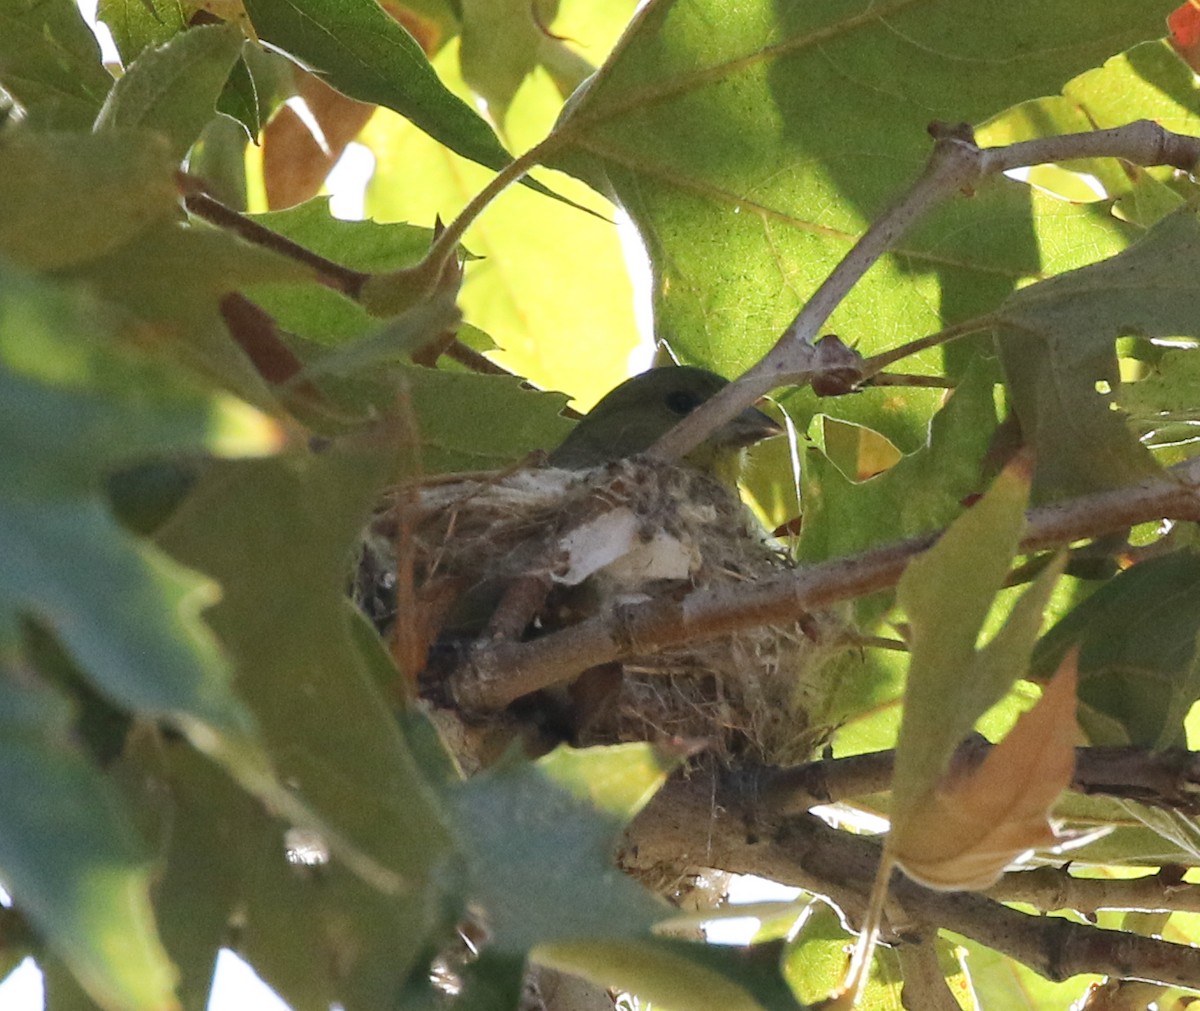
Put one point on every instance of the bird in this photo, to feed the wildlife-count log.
(485, 534)
(625, 423)
(594, 525)
(634, 415)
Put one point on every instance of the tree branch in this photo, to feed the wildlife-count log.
(956, 163)
(333, 275)
(1169, 778)
(496, 673)
(1050, 888)
(714, 819)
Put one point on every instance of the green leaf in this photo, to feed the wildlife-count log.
(394, 341)
(260, 83)
(1150, 77)
(920, 493)
(678, 974)
(535, 850)
(457, 436)
(69, 855)
(947, 593)
(367, 55)
(314, 311)
(174, 88)
(1138, 661)
(528, 247)
(284, 621)
(362, 245)
(453, 433)
(618, 780)
(219, 158)
(50, 63)
(866, 705)
(71, 197)
(540, 862)
(1057, 338)
(126, 613)
(174, 278)
(176, 273)
(1161, 405)
(136, 24)
(816, 956)
(501, 42)
(231, 875)
(239, 100)
(753, 148)
(1153, 79)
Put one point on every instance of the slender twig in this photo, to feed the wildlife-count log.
(908, 379)
(1051, 888)
(334, 275)
(466, 355)
(955, 164)
(446, 245)
(876, 363)
(497, 673)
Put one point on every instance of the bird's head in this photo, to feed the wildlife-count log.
(633, 416)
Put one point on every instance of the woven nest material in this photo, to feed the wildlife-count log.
(629, 531)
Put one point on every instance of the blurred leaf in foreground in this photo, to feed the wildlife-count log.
(70, 855)
(74, 408)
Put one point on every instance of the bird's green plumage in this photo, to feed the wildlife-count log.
(633, 416)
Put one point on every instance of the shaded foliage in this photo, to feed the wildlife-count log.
(203, 745)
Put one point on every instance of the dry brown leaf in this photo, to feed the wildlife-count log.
(979, 821)
(295, 162)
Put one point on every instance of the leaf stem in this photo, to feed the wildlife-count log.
(956, 163)
(334, 275)
(871, 367)
(447, 243)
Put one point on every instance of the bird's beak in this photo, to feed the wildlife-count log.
(749, 427)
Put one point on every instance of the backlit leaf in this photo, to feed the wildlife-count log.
(300, 670)
(136, 24)
(1057, 342)
(947, 593)
(752, 147)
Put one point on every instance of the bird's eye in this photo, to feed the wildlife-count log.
(682, 402)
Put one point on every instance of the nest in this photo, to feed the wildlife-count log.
(527, 553)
